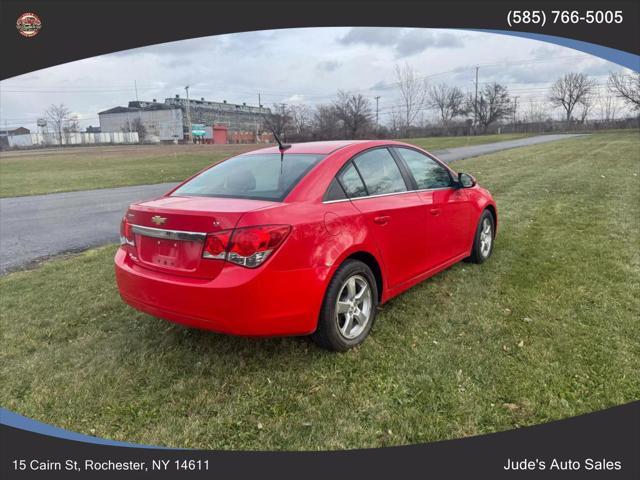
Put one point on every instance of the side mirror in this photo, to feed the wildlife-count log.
(466, 181)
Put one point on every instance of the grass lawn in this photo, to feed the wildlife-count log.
(63, 170)
(546, 329)
(442, 143)
(32, 173)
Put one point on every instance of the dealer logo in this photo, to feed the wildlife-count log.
(28, 24)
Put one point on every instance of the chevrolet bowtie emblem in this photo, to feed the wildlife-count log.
(158, 220)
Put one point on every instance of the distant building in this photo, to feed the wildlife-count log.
(169, 120)
(233, 116)
(15, 131)
(164, 122)
(5, 134)
(91, 129)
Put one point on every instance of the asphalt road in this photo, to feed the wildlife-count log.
(39, 226)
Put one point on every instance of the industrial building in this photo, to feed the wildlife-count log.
(14, 132)
(237, 118)
(169, 121)
(161, 122)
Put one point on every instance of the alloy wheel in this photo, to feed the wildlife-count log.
(486, 237)
(353, 306)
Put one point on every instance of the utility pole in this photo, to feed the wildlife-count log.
(475, 103)
(377, 100)
(189, 115)
(259, 101)
(515, 109)
(135, 86)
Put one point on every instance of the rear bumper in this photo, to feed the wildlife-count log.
(239, 301)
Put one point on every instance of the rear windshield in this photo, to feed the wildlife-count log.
(260, 176)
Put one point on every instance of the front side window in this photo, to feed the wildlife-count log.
(427, 172)
(380, 172)
(259, 176)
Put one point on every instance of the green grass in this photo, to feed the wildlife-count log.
(103, 167)
(546, 329)
(39, 172)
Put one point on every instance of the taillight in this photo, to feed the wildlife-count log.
(216, 245)
(126, 233)
(248, 246)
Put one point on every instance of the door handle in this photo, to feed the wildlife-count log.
(434, 211)
(382, 220)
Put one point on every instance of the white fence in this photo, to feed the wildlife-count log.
(49, 139)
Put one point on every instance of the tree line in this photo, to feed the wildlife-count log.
(353, 115)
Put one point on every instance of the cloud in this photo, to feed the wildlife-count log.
(295, 98)
(403, 41)
(382, 86)
(328, 65)
(416, 41)
(371, 36)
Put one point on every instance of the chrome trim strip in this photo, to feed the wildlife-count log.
(388, 194)
(433, 189)
(169, 234)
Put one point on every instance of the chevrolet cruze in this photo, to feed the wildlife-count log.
(301, 240)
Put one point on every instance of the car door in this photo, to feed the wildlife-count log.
(379, 189)
(446, 209)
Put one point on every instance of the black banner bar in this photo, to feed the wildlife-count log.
(75, 30)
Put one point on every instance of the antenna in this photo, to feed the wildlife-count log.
(283, 147)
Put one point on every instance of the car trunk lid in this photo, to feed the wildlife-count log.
(170, 232)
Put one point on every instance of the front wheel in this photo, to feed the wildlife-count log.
(483, 241)
(349, 308)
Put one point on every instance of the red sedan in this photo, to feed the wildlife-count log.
(302, 239)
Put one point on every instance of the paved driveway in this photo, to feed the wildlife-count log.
(39, 226)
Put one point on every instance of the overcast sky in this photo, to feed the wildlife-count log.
(304, 65)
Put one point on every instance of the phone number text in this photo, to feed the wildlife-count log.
(540, 17)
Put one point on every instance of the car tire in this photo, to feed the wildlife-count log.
(484, 238)
(349, 308)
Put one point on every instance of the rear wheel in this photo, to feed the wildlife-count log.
(483, 241)
(349, 308)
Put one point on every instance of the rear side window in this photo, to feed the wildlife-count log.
(380, 172)
(352, 183)
(334, 192)
(260, 176)
(427, 172)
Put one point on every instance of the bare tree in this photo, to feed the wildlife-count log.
(395, 120)
(608, 108)
(58, 117)
(626, 87)
(413, 92)
(448, 101)
(494, 103)
(570, 90)
(586, 104)
(301, 121)
(279, 120)
(354, 111)
(136, 125)
(326, 123)
(72, 125)
(535, 112)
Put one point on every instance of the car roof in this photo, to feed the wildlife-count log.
(324, 148)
